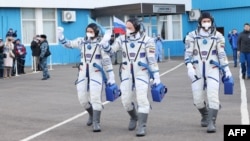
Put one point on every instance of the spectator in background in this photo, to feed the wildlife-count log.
(158, 48)
(20, 52)
(244, 51)
(1, 57)
(233, 38)
(11, 33)
(35, 49)
(43, 59)
(114, 54)
(8, 61)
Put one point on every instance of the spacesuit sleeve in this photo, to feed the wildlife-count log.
(106, 61)
(72, 43)
(189, 47)
(221, 49)
(150, 52)
(116, 45)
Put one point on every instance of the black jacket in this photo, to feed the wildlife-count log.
(35, 48)
(244, 42)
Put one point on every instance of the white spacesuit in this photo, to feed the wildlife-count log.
(136, 47)
(202, 46)
(90, 81)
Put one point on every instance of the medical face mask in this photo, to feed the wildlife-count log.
(90, 35)
(206, 25)
(128, 32)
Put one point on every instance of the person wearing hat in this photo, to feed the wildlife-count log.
(20, 52)
(136, 47)
(44, 45)
(90, 80)
(202, 46)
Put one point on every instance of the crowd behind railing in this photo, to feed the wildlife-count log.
(13, 54)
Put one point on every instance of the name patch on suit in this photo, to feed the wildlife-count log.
(88, 55)
(204, 53)
(132, 54)
(152, 50)
(214, 52)
(142, 54)
(98, 56)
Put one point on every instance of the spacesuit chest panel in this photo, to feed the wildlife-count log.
(204, 48)
(133, 50)
(91, 52)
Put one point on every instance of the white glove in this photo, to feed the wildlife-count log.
(227, 72)
(191, 72)
(106, 38)
(111, 79)
(156, 78)
(60, 33)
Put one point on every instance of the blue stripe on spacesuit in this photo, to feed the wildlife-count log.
(109, 70)
(188, 60)
(125, 79)
(213, 78)
(77, 82)
(142, 80)
(204, 75)
(96, 81)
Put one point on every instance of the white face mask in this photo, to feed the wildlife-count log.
(89, 35)
(128, 32)
(206, 25)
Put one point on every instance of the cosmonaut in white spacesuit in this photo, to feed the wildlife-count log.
(89, 83)
(136, 47)
(203, 45)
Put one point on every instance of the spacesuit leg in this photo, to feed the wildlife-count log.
(198, 93)
(213, 102)
(127, 101)
(83, 95)
(95, 98)
(143, 105)
(199, 101)
(127, 95)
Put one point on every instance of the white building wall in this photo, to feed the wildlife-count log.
(84, 4)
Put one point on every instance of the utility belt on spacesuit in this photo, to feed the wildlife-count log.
(157, 91)
(112, 90)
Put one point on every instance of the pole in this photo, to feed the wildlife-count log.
(16, 67)
(34, 63)
(50, 62)
(168, 54)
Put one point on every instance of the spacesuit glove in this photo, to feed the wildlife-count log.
(191, 72)
(157, 79)
(227, 72)
(111, 79)
(60, 33)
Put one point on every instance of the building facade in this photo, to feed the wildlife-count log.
(169, 18)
